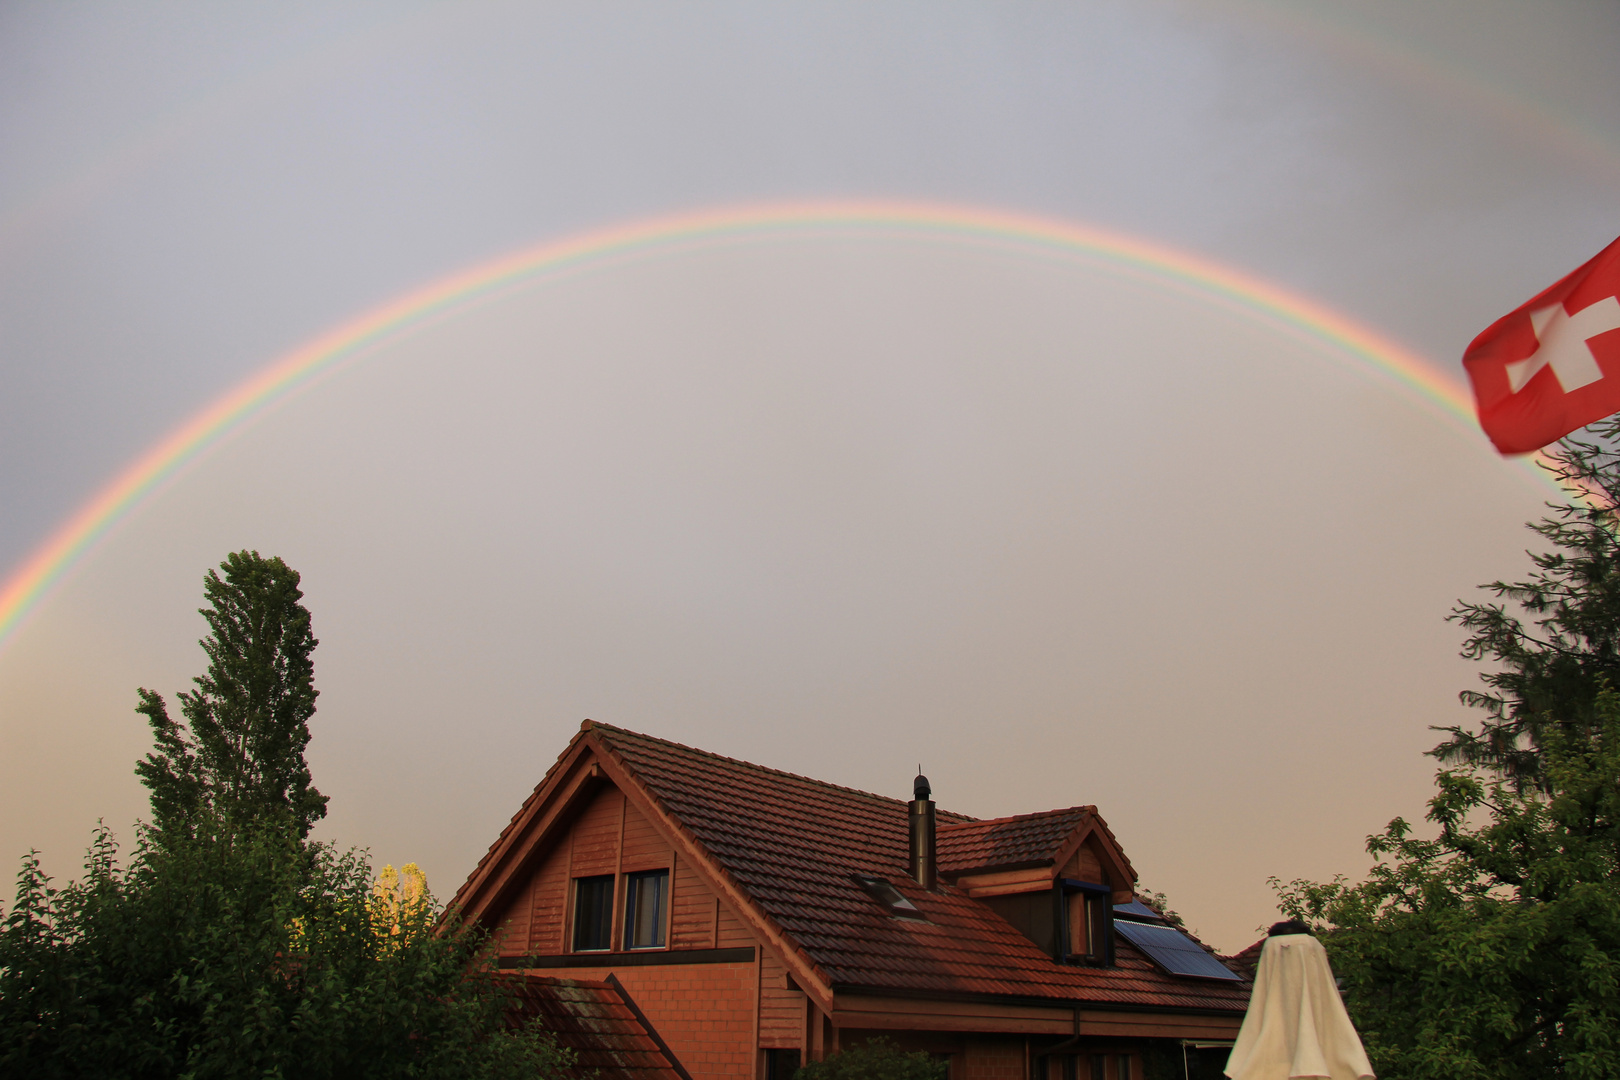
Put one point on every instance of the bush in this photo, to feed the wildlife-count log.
(875, 1059)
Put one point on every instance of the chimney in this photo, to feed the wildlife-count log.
(923, 862)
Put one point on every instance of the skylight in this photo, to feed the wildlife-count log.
(889, 896)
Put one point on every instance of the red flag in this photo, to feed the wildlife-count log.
(1553, 364)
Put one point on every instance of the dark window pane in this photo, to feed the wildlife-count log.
(781, 1064)
(593, 913)
(1124, 1067)
(644, 900)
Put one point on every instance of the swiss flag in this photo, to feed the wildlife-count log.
(1553, 364)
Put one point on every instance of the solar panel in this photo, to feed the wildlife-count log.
(1137, 910)
(1172, 950)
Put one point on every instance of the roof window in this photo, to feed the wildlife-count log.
(890, 897)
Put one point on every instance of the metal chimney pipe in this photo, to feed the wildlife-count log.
(924, 862)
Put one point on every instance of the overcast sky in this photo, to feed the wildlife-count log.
(833, 504)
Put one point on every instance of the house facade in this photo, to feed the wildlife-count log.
(751, 920)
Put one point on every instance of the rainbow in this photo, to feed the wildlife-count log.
(1297, 316)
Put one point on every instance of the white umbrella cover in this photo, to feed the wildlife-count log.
(1296, 1025)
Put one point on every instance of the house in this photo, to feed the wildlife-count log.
(748, 920)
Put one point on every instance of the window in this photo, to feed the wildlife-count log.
(1088, 911)
(645, 897)
(1111, 1067)
(781, 1064)
(1071, 922)
(593, 913)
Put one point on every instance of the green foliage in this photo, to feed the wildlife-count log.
(1159, 902)
(875, 1059)
(230, 945)
(242, 759)
(1560, 642)
(1493, 950)
(263, 957)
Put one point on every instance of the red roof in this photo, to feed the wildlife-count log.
(1005, 843)
(1246, 961)
(792, 844)
(599, 1022)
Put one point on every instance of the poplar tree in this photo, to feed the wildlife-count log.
(239, 756)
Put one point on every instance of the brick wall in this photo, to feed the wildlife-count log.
(705, 1012)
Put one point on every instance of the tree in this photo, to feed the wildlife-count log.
(231, 945)
(875, 1059)
(1553, 651)
(242, 759)
(1493, 949)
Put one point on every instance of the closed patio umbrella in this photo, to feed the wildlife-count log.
(1296, 1026)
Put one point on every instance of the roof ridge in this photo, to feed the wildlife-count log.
(599, 726)
(1085, 808)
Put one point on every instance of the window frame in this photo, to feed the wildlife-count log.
(1097, 910)
(579, 909)
(632, 891)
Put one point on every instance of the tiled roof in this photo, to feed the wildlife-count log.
(791, 844)
(598, 1021)
(1006, 842)
(1246, 961)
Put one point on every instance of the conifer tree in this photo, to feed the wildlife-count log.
(1553, 638)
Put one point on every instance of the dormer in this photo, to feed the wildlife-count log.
(1054, 876)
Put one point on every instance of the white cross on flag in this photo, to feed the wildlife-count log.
(1553, 364)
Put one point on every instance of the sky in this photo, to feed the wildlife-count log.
(1060, 528)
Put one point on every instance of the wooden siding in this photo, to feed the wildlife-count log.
(914, 1014)
(1086, 866)
(595, 835)
(781, 1010)
(511, 923)
(548, 898)
(692, 910)
(644, 849)
(732, 931)
(1157, 1025)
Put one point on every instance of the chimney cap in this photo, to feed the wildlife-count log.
(919, 787)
